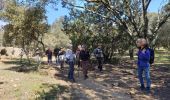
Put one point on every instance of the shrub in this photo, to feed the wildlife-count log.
(3, 52)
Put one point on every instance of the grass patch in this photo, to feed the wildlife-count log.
(162, 57)
(23, 66)
(50, 92)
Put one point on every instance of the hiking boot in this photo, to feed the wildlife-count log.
(73, 80)
(148, 90)
(86, 77)
(142, 87)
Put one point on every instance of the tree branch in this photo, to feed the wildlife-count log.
(147, 4)
(90, 11)
(161, 23)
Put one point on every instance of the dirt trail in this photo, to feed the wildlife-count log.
(115, 83)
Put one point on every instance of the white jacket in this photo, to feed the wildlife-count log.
(70, 56)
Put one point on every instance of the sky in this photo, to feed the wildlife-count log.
(53, 15)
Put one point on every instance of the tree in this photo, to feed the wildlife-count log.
(164, 36)
(131, 16)
(26, 24)
(87, 28)
(55, 36)
(1, 4)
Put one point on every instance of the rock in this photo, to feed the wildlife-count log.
(132, 91)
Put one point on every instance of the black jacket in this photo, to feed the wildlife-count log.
(84, 55)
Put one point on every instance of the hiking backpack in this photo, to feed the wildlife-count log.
(98, 53)
(152, 56)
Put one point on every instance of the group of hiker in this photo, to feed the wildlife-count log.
(81, 57)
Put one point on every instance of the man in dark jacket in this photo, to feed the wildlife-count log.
(56, 53)
(49, 56)
(84, 57)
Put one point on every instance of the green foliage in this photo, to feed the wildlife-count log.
(85, 28)
(131, 17)
(164, 36)
(26, 25)
(50, 92)
(55, 36)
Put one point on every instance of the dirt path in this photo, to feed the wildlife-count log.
(115, 83)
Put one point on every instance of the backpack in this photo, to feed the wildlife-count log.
(98, 53)
(152, 56)
(61, 57)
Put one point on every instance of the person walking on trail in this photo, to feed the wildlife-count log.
(70, 57)
(21, 55)
(61, 57)
(84, 57)
(38, 56)
(144, 65)
(78, 56)
(12, 53)
(56, 54)
(99, 56)
(49, 56)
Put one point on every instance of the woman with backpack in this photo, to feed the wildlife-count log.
(144, 65)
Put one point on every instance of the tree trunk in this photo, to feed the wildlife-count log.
(131, 54)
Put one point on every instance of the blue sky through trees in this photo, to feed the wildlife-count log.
(53, 14)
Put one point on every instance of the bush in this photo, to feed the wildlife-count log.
(3, 52)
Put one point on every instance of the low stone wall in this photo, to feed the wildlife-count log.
(17, 51)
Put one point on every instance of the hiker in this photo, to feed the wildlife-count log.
(84, 58)
(61, 57)
(12, 53)
(22, 54)
(78, 56)
(70, 56)
(37, 54)
(56, 54)
(49, 56)
(144, 65)
(99, 56)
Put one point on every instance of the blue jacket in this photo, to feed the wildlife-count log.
(143, 58)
